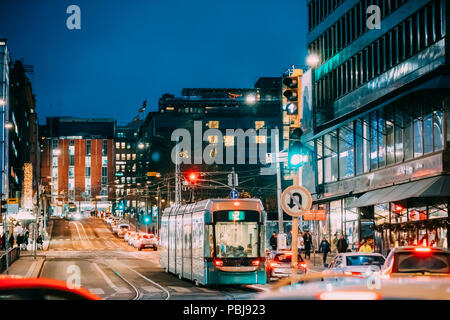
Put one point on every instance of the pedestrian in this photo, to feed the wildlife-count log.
(25, 240)
(300, 243)
(325, 248)
(307, 240)
(273, 241)
(11, 241)
(365, 247)
(3, 241)
(19, 240)
(342, 244)
(39, 242)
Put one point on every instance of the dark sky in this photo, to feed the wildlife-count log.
(127, 51)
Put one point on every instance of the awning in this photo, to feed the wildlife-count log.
(430, 187)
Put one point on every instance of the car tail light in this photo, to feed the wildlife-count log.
(351, 273)
(218, 263)
(256, 263)
(421, 249)
(274, 264)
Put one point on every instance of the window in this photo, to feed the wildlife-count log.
(346, 152)
(381, 139)
(428, 131)
(71, 172)
(88, 147)
(373, 141)
(398, 134)
(320, 160)
(390, 149)
(128, 156)
(88, 162)
(408, 135)
(71, 160)
(117, 145)
(122, 156)
(418, 132)
(330, 157)
(438, 130)
(229, 140)
(259, 125)
(117, 156)
(104, 171)
(87, 171)
(117, 168)
(213, 124)
(359, 147)
(122, 145)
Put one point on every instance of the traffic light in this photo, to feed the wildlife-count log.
(291, 94)
(297, 153)
(3, 206)
(192, 176)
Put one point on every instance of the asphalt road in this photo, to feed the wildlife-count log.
(87, 253)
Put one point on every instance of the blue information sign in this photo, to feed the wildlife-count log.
(234, 194)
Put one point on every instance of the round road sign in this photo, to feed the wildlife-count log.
(296, 200)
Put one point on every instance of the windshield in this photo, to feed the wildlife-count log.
(433, 263)
(364, 260)
(236, 239)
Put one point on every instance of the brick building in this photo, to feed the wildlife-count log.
(78, 163)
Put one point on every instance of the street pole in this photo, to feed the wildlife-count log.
(294, 246)
(177, 176)
(280, 210)
(6, 231)
(159, 210)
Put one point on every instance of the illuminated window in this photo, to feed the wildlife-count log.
(213, 124)
(261, 139)
(229, 141)
(133, 157)
(117, 145)
(213, 139)
(122, 145)
(128, 156)
(134, 167)
(117, 168)
(122, 156)
(259, 124)
(117, 156)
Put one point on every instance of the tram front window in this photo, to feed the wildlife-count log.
(236, 239)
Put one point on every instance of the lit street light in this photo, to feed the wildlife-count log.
(312, 60)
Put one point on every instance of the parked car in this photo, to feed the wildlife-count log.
(122, 229)
(355, 264)
(417, 261)
(280, 265)
(145, 240)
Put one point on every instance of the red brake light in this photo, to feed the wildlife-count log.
(218, 263)
(274, 264)
(256, 263)
(420, 249)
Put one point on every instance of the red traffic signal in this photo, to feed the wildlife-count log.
(192, 177)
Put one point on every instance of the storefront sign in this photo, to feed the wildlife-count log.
(315, 215)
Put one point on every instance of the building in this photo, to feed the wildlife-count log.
(205, 115)
(380, 130)
(78, 163)
(125, 166)
(5, 61)
(24, 152)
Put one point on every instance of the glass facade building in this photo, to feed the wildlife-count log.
(5, 61)
(381, 116)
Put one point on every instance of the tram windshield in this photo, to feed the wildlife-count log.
(236, 239)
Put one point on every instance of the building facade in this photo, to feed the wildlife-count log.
(78, 163)
(5, 61)
(24, 153)
(381, 122)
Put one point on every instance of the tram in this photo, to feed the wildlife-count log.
(215, 241)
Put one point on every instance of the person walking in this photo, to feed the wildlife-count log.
(325, 248)
(26, 239)
(39, 242)
(19, 240)
(11, 241)
(3, 241)
(365, 247)
(342, 245)
(273, 241)
(307, 240)
(300, 242)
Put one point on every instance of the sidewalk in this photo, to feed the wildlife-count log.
(26, 265)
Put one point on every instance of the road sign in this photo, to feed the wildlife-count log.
(276, 157)
(296, 200)
(234, 194)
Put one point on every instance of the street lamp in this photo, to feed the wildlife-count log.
(141, 145)
(9, 125)
(250, 98)
(312, 60)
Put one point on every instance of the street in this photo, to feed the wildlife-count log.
(113, 270)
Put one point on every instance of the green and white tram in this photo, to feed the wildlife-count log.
(215, 241)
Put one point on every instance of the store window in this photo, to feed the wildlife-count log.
(398, 134)
(408, 135)
(428, 132)
(320, 160)
(438, 130)
(390, 150)
(335, 220)
(418, 133)
(373, 141)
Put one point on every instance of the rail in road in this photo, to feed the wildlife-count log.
(113, 270)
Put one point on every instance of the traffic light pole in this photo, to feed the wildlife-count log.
(280, 210)
(6, 231)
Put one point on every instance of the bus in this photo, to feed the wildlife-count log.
(215, 242)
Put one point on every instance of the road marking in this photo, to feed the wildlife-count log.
(180, 289)
(207, 290)
(123, 290)
(87, 238)
(30, 271)
(96, 291)
(108, 280)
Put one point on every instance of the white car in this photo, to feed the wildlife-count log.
(127, 235)
(132, 238)
(146, 240)
(122, 229)
(358, 264)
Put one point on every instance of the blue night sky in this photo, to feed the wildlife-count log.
(127, 51)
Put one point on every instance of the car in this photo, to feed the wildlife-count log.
(309, 287)
(145, 240)
(416, 261)
(127, 235)
(355, 263)
(108, 220)
(280, 265)
(122, 229)
(132, 238)
(21, 288)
